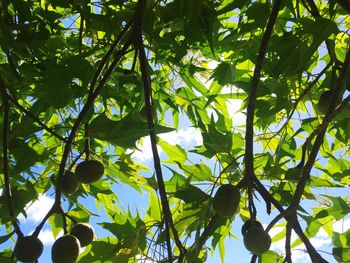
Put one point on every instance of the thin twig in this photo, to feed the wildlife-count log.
(36, 119)
(323, 127)
(253, 259)
(302, 95)
(86, 142)
(207, 232)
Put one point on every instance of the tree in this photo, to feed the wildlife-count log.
(78, 80)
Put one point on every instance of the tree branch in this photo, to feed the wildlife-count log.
(93, 93)
(315, 257)
(5, 156)
(313, 8)
(169, 224)
(322, 127)
(207, 232)
(344, 4)
(288, 257)
(249, 150)
(319, 139)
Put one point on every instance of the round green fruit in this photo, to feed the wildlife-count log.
(324, 101)
(89, 171)
(65, 249)
(28, 249)
(249, 224)
(257, 240)
(70, 183)
(226, 200)
(84, 232)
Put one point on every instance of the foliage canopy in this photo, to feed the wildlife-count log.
(74, 76)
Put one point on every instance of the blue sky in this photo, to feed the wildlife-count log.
(187, 137)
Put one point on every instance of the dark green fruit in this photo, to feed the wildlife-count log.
(226, 200)
(324, 101)
(89, 171)
(70, 183)
(65, 249)
(28, 249)
(250, 223)
(257, 240)
(84, 232)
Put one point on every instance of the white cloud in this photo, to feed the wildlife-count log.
(144, 153)
(341, 226)
(187, 138)
(38, 209)
(233, 107)
(143, 259)
(47, 237)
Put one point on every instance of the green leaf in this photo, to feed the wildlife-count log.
(224, 73)
(56, 222)
(4, 238)
(216, 141)
(197, 172)
(124, 132)
(269, 257)
(222, 249)
(102, 250)
(342, 255)
(175, 152)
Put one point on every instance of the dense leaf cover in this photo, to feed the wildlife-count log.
(74, 76)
